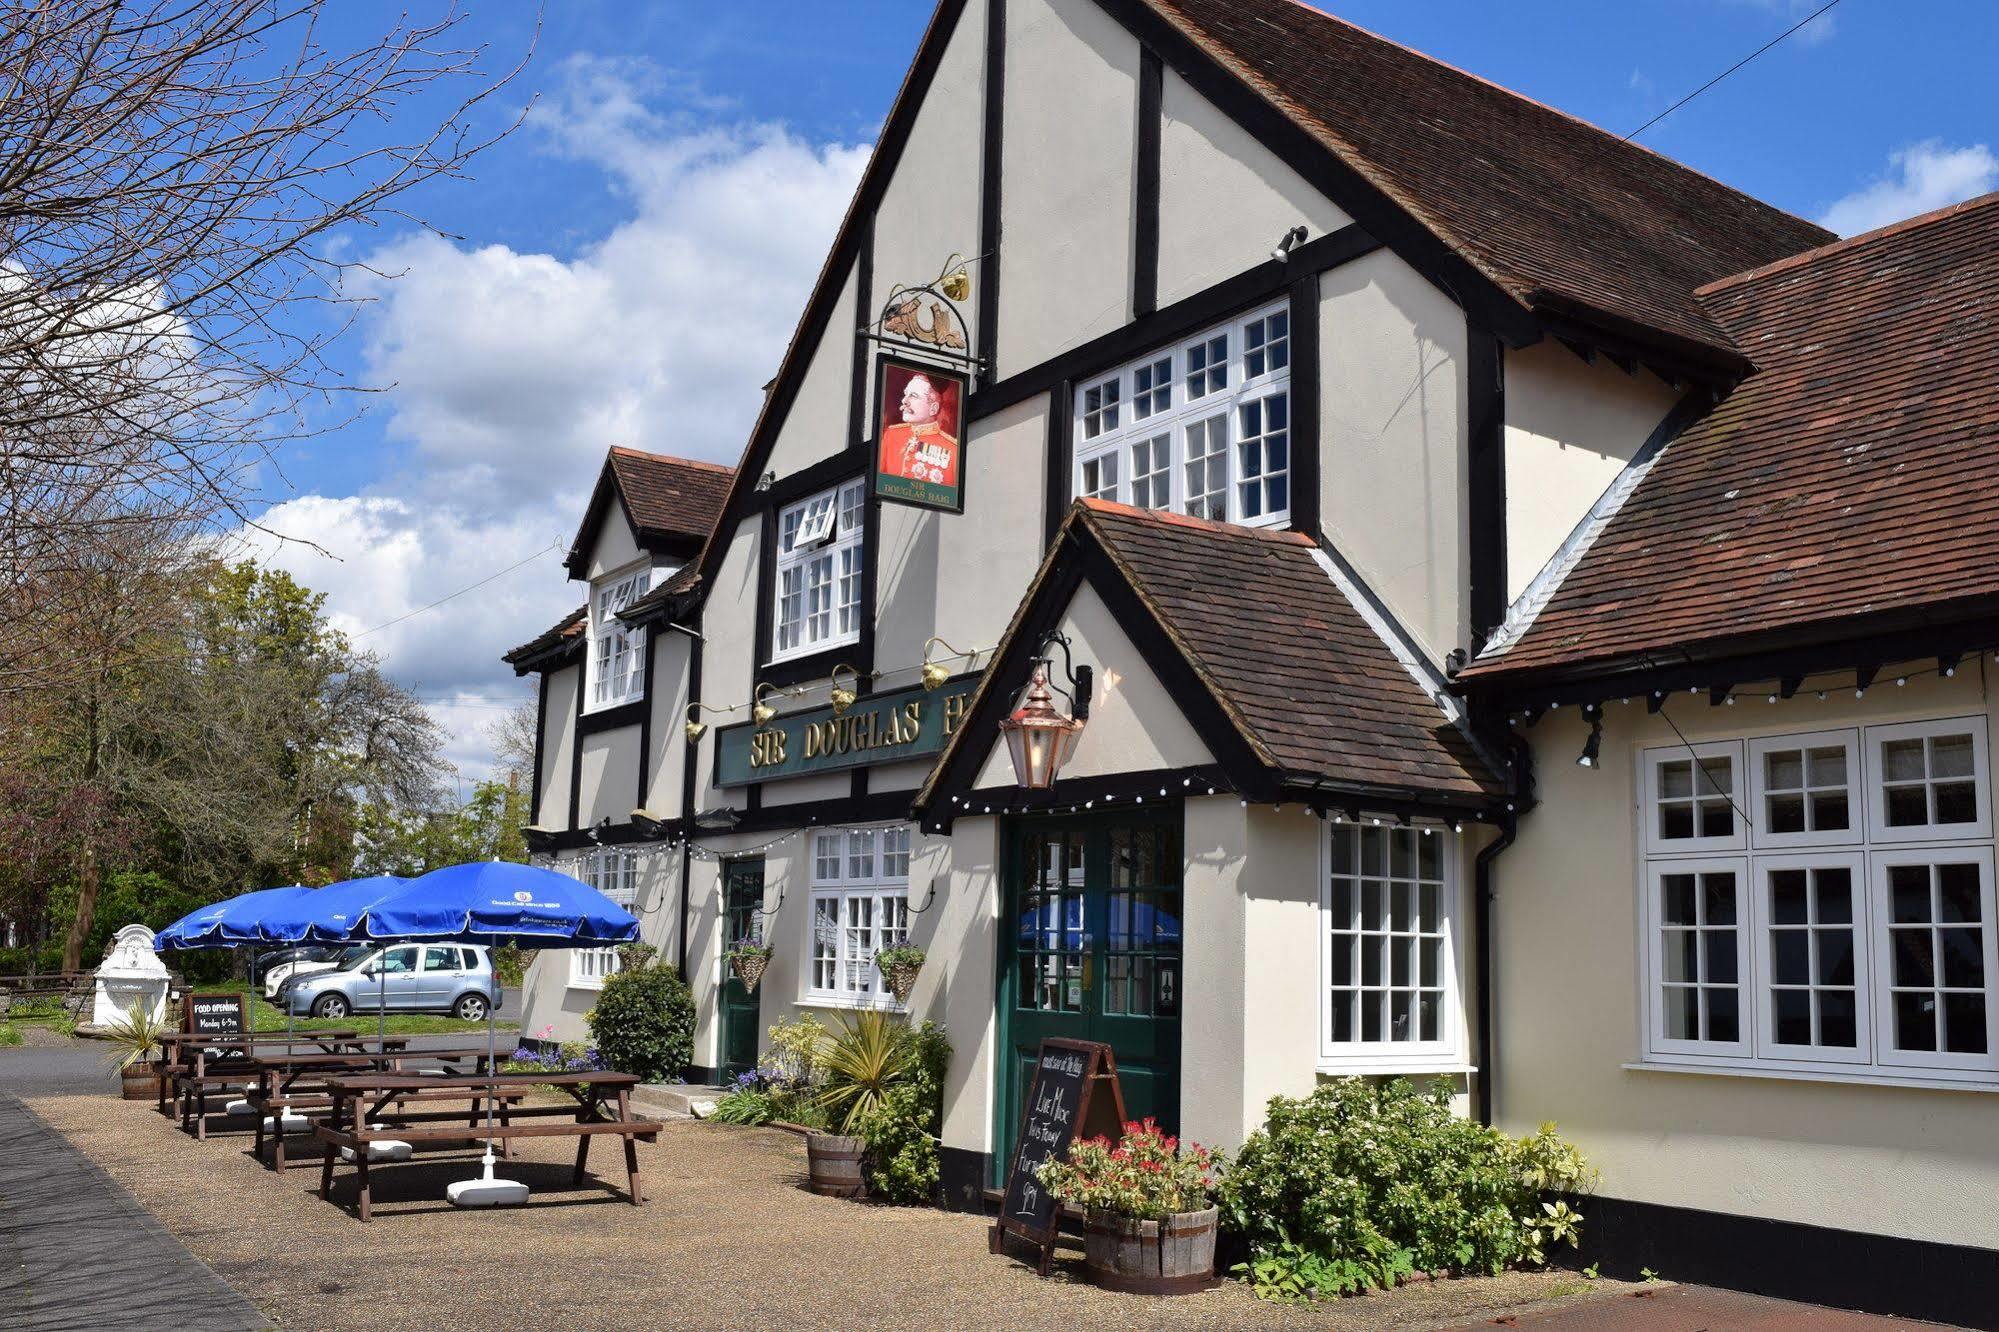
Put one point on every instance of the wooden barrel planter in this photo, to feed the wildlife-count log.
(833, 1162)
(139, 1082)
(1174, 1255)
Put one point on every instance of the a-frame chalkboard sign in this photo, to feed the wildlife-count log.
(1074, 1094)
(224, 1013)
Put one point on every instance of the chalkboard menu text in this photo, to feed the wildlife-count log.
(216, 1014)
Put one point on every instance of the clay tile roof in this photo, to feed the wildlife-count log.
(671, 496)
(560, 635)
(1304, 675)
(1565, 217)
(1855, 473)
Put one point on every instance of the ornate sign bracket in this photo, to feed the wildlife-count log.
(925, 320)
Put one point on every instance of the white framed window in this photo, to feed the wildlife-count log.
(1391, 984)
(1203, 427)
(860, 905)
(1805, 789)
(820, 561)
(1933, 930)
(1700, 956)
(617, 650)
(1839, 919)
(1927, 781)
(614, 872)
(1690, 799)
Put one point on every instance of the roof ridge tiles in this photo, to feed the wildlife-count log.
(1845, 244)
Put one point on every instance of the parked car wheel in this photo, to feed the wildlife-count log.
(331, 1006)
(470, 1008)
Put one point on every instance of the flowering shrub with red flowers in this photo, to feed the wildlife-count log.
(1145, 1175)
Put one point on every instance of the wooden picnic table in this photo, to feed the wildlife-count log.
(603, 1106)
(174, 1046)
(235, 1057)
(294, 1083)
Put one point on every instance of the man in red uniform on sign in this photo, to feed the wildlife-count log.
(918, 447)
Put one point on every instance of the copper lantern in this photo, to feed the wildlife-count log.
(1038, 736)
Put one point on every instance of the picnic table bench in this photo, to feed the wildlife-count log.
(202, 1062)
(347, 1124)
(295, 1083)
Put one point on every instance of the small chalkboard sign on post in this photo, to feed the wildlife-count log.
(1073, 1094)
(215, 1013)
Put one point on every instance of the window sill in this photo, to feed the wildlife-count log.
(831, 1001)
(1917, 1080)
(1369, 1066)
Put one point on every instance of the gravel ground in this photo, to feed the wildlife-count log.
(730, 1239)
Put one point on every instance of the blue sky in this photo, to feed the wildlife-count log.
(626, 266)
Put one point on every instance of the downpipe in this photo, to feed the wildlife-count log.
(1522, 785)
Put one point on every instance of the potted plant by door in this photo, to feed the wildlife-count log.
(861, 1063)
(132, 1038)
(1148, 1209)
(899, 967)
(748, 956)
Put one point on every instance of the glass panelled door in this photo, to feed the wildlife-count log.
(1092, 952)
(742, 900)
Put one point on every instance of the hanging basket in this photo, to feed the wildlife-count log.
(749, 968)
(901, 978)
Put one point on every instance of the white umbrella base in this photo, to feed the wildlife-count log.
(486, 1191)
(239, 1107)
(382, 1149)
(286, 1123)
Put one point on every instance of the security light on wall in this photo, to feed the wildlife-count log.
(1592, 755)
(1288, 242)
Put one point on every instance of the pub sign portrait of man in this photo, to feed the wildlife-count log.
(919, 458)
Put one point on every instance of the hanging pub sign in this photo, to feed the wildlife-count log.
(880, 728)
(1073, 1093)
(920, 434)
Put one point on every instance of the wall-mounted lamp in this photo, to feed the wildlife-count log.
(1289, 241)
(768, 479)
(842, 699)
(696, 728)
(760, 711)
(1038, 737)
(1592, 755)
(936, 673)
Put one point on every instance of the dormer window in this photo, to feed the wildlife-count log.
(820, 562)
(617, 650)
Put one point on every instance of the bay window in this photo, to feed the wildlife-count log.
(614, 872)
(1202, 428)
(860, 905)
(1833, 913)
(820, 563)
(617, 650)
(1389, 913)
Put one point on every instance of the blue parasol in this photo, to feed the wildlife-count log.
(330, 915)
(226, 924)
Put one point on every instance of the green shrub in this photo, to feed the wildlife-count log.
(644, 1019)
(1359, 1172)
(745, 1105)
(901, 1129)
(510, 964)
(9, 1034)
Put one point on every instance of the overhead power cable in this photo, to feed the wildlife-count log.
(1814, 15)
(470, 587)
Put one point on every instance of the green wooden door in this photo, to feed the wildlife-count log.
(742, 900)
(1090, 950)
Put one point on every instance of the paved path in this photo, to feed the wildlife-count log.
(78, 1253)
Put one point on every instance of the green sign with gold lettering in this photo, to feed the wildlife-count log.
(881, 728)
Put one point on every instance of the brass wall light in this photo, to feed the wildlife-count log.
(760, 711)
(936, 673)
(842, 699)
(696, 728)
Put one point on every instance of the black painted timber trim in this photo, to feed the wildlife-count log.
(576, 742)
(540, 730)
(1883, 1274)
(645, 720)
(992, 137)
(690, 773)
(1145, 187)
(962, 1178)
(1305, 425)
(625, 714)
(1059, 463)
(1485, 382)
(1190, 314)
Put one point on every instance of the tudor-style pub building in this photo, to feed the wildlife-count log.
(1351, 447)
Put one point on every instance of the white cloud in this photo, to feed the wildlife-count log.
(1921, 177)
(512, 372)
(1818, 30)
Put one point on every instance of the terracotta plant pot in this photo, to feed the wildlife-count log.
(749, 969)
(138, 1082)
(1174, 1255)
(833, 1165)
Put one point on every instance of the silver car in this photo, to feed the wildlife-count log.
(400, 978)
